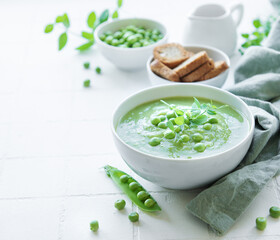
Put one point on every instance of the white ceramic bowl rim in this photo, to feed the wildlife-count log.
(195, 46)
(251, 122)
(102, 25)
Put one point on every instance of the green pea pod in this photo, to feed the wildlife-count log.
(116, 174)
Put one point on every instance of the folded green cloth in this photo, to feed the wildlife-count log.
(257, 79)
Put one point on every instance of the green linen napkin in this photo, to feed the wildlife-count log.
(257, 79)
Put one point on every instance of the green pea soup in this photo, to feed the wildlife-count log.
(147, 128)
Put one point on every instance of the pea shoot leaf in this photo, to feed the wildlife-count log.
(245, 35)
(120, 2)
(104, 16)
(88, 36)
(170, 125)
(91, 19)
(257, 23)
(179, 120)
(48, 28)
(197, 102)
(66, 21)
(115, 14)
(62, 40)
(59, 19)
(85, 46)
(211, 112)
(200, 120)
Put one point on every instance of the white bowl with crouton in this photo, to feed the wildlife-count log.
(128, 59)
(218, 61)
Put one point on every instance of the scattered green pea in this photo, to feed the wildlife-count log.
(142, 195)
(169, 134)
(124, 178)
(98, 70)
(133, 217)
(213, 120)
(162, 125)
(86, 65)
(94, 225)
(109, 39)
(155, 141)
(186, 126)
(172, 120)
(274, 212)
(133, 186)
(170, 114)
(184, 138)
(115, 42)
(186, 120)
(120, 204)
(162, 118)
(177, 129)
(102, 37)
(155, 121)
(87, 83)
(199, 147)
(149, 202)
(197, 137)
(261, 223)
(207, 126)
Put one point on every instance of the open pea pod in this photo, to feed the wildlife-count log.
(116, 176)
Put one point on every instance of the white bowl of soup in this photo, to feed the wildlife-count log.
(182, 136)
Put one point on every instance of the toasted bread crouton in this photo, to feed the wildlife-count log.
(171, 54)
(199, 72)
(219, 67)
(164, 71)
(191, 64)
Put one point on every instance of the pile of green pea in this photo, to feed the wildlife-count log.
(274, 212)
(131, 37)
(161, 120)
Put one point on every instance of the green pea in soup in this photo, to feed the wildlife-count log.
(183, 127)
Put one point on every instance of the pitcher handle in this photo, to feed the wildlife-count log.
(240, 10)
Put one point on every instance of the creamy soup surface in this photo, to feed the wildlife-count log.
(148, 127)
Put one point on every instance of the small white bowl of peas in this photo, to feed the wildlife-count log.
(128, 43)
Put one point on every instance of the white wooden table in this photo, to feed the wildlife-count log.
(55, 135)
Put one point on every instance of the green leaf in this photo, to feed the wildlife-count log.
(115, 15)
(85, 46)
(66, 21)
(179, 120)
(91, 19)
(211, 112)
(59, 19)
(257, 23)
(196, 102)
(195, 112)
(247, 44)
(245, 35)
(120, 2)
(88, 36)
(241, 51)
(62, 40)
(104, 16)
(48, 28)
(200, 120)
(170, 125)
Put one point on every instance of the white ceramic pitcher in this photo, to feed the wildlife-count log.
(214, 25)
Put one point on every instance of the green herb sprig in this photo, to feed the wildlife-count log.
(92, 22)
(260, 32)
(197, 114)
